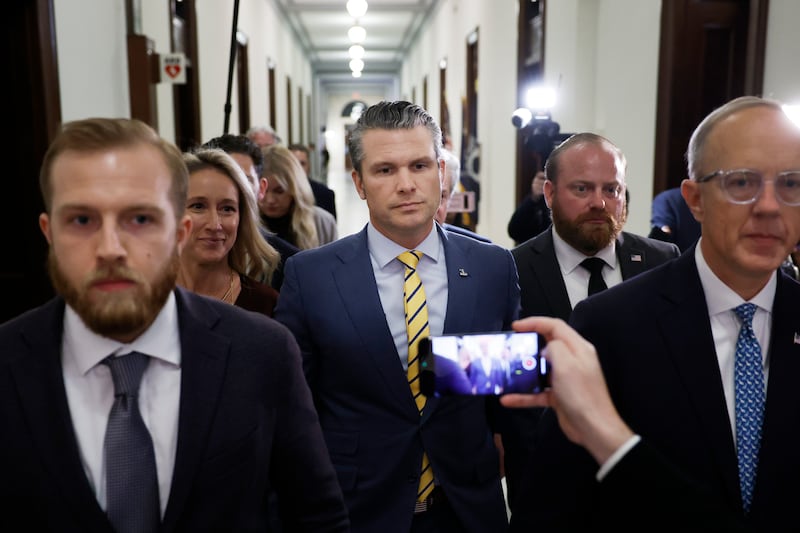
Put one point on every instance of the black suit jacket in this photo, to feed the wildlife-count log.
(544, 293)
(324, 196)
(542, 287)
(653, 337)
(283, 247)
(246, 425)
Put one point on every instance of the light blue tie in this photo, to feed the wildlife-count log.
(749, 389)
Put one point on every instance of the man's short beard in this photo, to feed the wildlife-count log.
(587, 239)
(121, 313)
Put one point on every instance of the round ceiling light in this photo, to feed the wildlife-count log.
(356, 65)
(356, 51)
(357, 34)
(357, 8)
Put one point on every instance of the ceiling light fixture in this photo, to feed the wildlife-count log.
(356, 73)
(357, 34)
(356, 51)
(357, 8)
(356, 65)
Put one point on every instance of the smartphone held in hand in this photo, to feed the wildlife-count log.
(483, 364)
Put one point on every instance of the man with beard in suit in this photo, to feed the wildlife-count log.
(585, 191)
(130, 405)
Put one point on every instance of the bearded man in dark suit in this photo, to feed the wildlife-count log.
(585, 191)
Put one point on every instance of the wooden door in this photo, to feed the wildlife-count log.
(711, 51)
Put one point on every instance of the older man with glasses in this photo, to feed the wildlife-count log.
(701, 355)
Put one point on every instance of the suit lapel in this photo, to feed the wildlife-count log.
(204, 356)
(462, 287)
(40, 385)
(546, 269)
(632, 259)
(686, 311)
(362, 304)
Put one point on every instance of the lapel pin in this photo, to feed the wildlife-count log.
(636, 258)
(463, 274)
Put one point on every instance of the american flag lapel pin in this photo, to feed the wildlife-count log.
(797, 338)
(636, 258)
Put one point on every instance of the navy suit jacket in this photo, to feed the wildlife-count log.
(246, 425)
(465, 232)
(653, 337)
(373, 429)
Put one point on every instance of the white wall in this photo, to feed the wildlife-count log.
(781, 74)
(92, 58)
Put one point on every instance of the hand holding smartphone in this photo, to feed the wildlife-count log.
(483, 364)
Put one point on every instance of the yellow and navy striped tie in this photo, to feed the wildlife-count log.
(416, 310)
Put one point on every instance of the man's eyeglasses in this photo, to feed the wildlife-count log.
(743, 186)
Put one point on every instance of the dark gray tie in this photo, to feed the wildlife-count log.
(595, 266)
(132, 502)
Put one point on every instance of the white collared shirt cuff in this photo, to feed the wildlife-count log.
(617, 456)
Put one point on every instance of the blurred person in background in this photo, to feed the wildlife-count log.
(324, 196)
(288, 207)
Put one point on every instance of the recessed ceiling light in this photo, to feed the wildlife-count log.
(356, 73)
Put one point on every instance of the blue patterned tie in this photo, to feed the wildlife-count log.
(749, 402)
(132, 502)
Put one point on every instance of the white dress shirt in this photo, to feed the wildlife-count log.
(576, 278)
(725, 326)
(90, 392)
(390, 273)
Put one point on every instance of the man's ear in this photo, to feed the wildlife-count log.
(548, 189)
(263, 185)
(690, 190)
(359, 183)
(44, 225)
(182, 232)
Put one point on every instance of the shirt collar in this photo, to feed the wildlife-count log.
(569, 258)
(384, 250)
(160, 340)
(720, 298)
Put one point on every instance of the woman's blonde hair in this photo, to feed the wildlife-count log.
(251, 255)
(281, 165)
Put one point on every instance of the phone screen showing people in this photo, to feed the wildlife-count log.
(483, 364)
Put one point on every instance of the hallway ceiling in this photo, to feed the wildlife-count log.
(391, 25)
